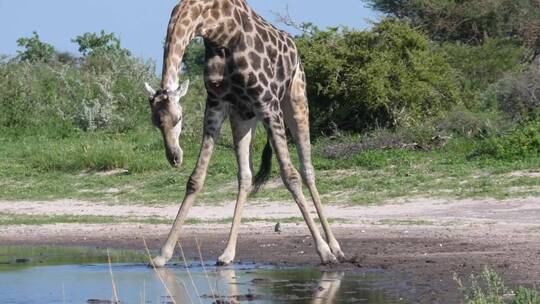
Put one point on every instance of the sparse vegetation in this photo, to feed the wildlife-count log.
(7, 219)
(488, 288)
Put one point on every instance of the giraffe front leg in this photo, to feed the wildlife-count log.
(242, 134)
(212, 126)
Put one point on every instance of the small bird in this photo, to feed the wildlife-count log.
(277, 228)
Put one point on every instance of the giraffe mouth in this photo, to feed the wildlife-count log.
(174, 156)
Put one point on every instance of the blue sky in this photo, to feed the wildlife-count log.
(142, 24)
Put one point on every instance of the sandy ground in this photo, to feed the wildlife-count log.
(419, 243)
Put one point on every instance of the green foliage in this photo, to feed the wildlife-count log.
(522, 141)
(470, 21)
(479, 66)
(57, 255)
(527, 296)
(102, 43)
(35, 50)
(194, 58)
(101, 52)
(461, 122)
(488, 288)
(518, 95)
(386, 77)
(56, 97)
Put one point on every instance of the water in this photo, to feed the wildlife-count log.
(135, 283)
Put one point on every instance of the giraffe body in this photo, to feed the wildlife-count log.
(253, 73)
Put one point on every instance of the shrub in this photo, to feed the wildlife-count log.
(526, 296)
(35, 95)
(522, 141)
(485, 288)
(480, 66)
(465, 123)
(102, 90)
(488, 288)
(518, 96)
(386, 77)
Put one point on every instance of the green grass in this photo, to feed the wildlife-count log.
(34, 167)
(16, 257)
(405, 222)
(29, 219)
(7, 219)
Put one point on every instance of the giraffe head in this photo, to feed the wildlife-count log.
(167, 116)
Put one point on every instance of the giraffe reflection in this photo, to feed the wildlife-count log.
(228, 289)
(327, 290)
(176, 290)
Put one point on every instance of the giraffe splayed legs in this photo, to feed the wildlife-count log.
(253, 73)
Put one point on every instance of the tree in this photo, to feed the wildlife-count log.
(469, 21)
(92, 43)
(35, 49)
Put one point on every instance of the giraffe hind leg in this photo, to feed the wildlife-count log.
(296, 114)
(276, 127)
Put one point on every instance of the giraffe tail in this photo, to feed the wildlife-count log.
(265, 169)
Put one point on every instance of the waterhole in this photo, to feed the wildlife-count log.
(57, 276)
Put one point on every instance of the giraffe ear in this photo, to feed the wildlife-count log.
(149, 89)
(182, 90)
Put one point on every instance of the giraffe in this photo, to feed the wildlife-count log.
(253, 74)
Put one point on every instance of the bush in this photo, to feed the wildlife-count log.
(482, 65)
(521, 142)
(386, 77)
(102, 91)
(465, 123)
(488, 288)
(38, 94)
(518, 96)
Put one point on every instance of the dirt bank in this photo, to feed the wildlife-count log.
(420, 243)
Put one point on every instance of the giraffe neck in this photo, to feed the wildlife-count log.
(182, 29)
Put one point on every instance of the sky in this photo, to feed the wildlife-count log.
(141, 25)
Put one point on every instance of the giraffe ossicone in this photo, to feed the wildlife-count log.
(253, 74)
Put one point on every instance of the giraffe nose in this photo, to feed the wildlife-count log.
(174, 156)
(176, 162)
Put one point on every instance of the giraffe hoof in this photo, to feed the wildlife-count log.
(222, 263)
(329, 259)
(340, 255)
(226, 258)
(158, 262)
